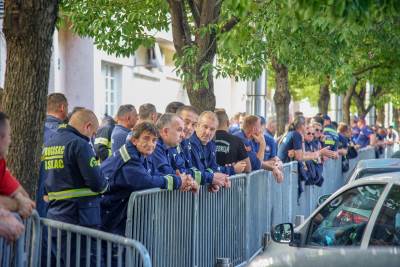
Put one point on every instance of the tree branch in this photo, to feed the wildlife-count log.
(230, 24)
(195, 12)
(207, 43)
(180, 26)
(361, 71)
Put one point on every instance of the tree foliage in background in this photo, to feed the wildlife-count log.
(200, 28)
(307, 44)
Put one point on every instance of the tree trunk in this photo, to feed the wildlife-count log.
(28, 29)
(324, 97)
(380, 118)
(203, 98)
(347, 102)
(359, 100)
(199, 84)
(396, 117)
(282, 95)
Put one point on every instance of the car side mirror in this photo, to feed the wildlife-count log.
(322, 199)
(282, 233)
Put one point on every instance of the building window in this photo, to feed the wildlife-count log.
(111, 89)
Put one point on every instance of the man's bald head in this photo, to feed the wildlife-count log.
(85, 121)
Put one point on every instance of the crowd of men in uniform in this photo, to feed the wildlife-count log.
(88, 171)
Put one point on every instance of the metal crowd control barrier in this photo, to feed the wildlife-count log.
(182, 229)
(164, 222)
(221, 217)
(101, 248)
(25, 251)
(74, 245)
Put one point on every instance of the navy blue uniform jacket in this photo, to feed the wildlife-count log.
(118, 137)
(73, 180)
(128, 171)
(204, 159)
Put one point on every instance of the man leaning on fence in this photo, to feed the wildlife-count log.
(13, 197)
(190, 117)
(167, 158)
(203, 155)
(229, 148)
(254, 141)
(131, 169)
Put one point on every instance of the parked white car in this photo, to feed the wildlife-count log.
(372, 257)
(368, 167)
(361, 214)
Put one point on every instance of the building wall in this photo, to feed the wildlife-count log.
(136, 83)
(230, 95)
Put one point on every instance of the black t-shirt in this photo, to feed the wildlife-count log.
(230, 148)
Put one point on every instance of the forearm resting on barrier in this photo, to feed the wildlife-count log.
(25, 204)
(248, 165)
(271, 164)
(8, 203)
(300, 155)
(10, 227)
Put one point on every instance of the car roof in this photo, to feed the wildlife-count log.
(389, 177)
(379, 163)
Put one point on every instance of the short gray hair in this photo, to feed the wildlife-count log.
(165, 120)
(125, 109)
(146, 110)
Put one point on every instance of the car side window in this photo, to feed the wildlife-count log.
(342, 221)
(386, 231)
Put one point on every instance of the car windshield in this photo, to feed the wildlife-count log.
(342, 221)
(387, 226)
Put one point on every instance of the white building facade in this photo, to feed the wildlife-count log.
(93, 79)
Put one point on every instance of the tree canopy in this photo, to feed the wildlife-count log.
(316, 42)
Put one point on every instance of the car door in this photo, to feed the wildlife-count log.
(386, 227)
(343, 220)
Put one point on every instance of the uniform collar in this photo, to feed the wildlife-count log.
(69, 128)
(51, 118)
(133, 152)
(244, 135)
(123, 128)
(161, 143)
(195, 140)
(185, 142)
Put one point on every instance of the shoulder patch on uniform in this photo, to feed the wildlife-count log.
(124, 153)
(93, 162)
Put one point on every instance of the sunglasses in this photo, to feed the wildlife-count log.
(310, 133)
(318, 130)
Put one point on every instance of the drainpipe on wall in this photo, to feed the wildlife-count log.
(256, 95)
